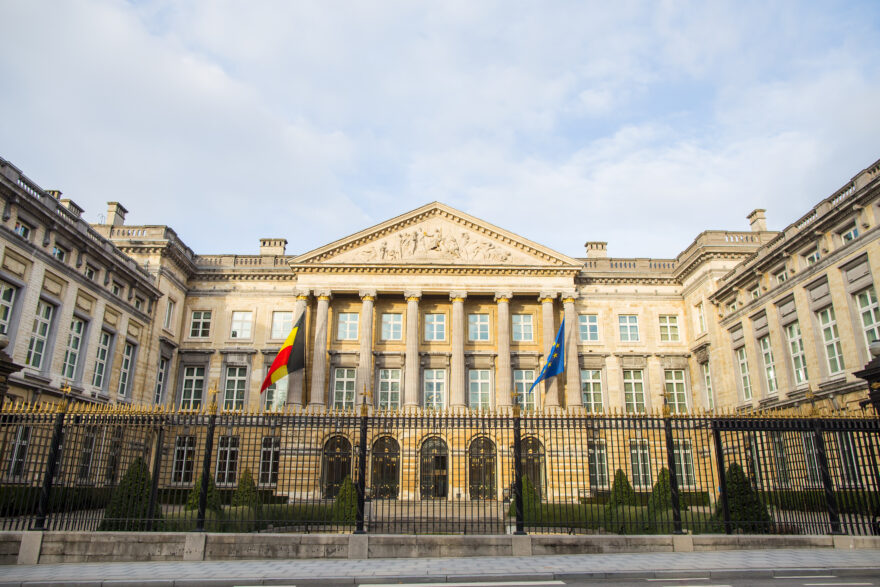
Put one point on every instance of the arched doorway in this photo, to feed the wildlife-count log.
(481, 469)
(385, 469)
(434, 469)
(335, 465)
(533, 464)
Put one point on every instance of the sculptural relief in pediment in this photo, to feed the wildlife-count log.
(434, 242)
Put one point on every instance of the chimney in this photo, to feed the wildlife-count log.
(116, 214)
(596, 249)
(273, 246)
(757, 220)
(72, 206)
(54, 193)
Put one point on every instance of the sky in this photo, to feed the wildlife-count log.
(637, 123)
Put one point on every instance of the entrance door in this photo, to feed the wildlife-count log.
(434, 469)
(385, 468)
(336, 465)
(481, 469)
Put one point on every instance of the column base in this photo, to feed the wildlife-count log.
(315, 408)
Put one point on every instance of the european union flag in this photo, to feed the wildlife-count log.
(556, 360)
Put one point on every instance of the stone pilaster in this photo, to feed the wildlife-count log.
(297, 378)
(319, 356)
(551, 386)
(503, 385)
(411, 357)
(456, 367)
(573, 399)
(365, 355)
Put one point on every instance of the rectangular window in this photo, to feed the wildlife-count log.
(831, 340)
(347, 326)
(114, 455)
(780, 459)
(116, 289)
(522, 381)
(241, 325)
(138, 303)
(629, 327)
(523, 331)
(276, 395)
(591, 390)
(59, 253)
(282, 324)
(161, 375)
(104, 342)
(812, 257)
(435, 327)
(640, 459)
(676, 397)
(707, 383)
(588, 327)
(343, 388)
(392, 326)
(200, 327)
(811, 458)
(796, 349)
(7, 301)
(227, 460)
(169, 314)
(701, 318)
(851, 234)
(193, 388)
(849, 462)
(39, 335)
(684, 462)
(184, 460)
(669, 329)
(781, 277)
(15, 467)
(84, 470)
(769, 364)
(270, 458)
(435, 389)
(90, 272)
(389, 389)
(755, 293)
(23, 230)
(597, 458)
(743, 363)
(478, 327)
(732, 307)
(126, 370)
(236, 386)
(478, 389)
(870, 314)
(634, 391)
(74, 346)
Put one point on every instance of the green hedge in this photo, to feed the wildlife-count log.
(22, 500)
(241, 518)
(686, 498)
(813, 500)
(178, 496)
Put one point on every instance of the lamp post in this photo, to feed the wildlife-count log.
(871, 374)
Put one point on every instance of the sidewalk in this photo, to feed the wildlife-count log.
(351, 572)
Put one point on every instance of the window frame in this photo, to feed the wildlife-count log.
(830, 339)
(239, 377)
(527, 399)
(127, 369)
(281, 327)
(344, 398)
(433, 323)
(44, 339)
(631, 394)
(478, 327)
(104, 361)
(241, 324)
(203, 320)
(7, 307)
(673, 334)
(479, 386)
(796, 353)
(518, 331)
(436, 381)
(196, 378)
(75, 348)
(391, 326)
(591, 387)
(627, 324)
(347, 326)
(676, 398)
(386, 382)
(588, 328)
(745, 381)
(765, 345)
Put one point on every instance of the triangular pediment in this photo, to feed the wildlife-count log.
(435, 234)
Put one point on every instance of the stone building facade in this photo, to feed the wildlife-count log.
(436, 309)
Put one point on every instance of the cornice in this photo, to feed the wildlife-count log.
(414, 269)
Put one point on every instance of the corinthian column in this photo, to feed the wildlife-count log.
(573, 399)
(319, 356)
(365, 358)
(456, 370)
(297, 378)
(502, 365)
(411, 358)
(551, 386)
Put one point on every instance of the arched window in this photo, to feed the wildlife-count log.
(481, 469)
(533, 464)
(434, 469)
(335, 465)
(385, 468)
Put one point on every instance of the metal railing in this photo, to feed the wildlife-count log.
(95, 469)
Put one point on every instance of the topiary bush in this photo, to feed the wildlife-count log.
(661, 494)
(246, 492)
(747, 513)
(344, 509)
(622, 493)
(192, 500)
(129, 504)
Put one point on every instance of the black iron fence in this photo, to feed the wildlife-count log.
(95, 470)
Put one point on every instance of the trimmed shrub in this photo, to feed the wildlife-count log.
(130, 502)
(747, 513)
(344, 509)
(661, 494)
(246, 493)
(192, 500)
(622, 493)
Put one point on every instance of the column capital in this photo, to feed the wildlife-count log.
(368, 295)
(569, 297)
(302, 294)
(547, 297)
(323, 294)
(412, 295)
(503, 296)
(457, 296)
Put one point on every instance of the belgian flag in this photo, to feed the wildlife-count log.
(291, 357)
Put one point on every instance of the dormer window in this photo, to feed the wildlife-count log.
(811, 256)
(850, 234)
(755, 292)
(780, 276)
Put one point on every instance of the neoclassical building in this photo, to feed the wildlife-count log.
(436, 309)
